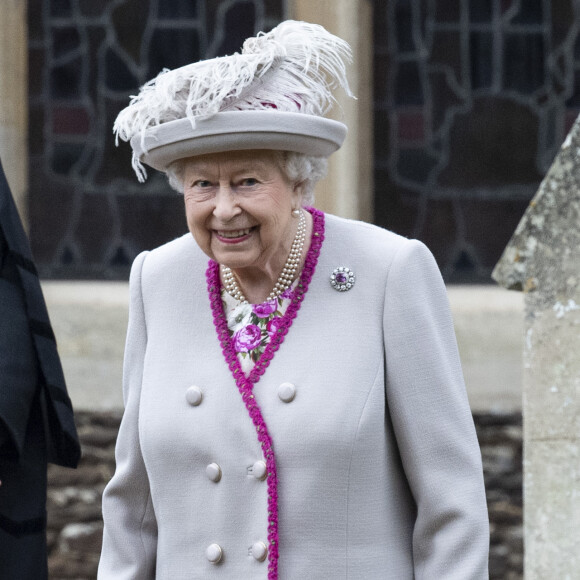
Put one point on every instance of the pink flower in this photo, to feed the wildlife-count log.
(265, 309)
(247, 338)
(273, 325)
(288, 293)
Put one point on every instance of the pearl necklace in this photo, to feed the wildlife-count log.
(288, 271)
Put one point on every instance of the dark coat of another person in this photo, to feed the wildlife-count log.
(36, 416)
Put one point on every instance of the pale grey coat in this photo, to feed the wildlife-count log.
(379, 468)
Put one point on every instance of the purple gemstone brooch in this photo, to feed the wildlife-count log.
(342, 279)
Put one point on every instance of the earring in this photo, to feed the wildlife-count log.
(295, 213)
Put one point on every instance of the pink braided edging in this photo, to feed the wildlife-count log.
(246, 384)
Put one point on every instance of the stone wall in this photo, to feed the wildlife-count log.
(74, 496)
(500, 438)
(74, 500)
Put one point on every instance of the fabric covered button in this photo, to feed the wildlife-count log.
(214, 553)
(214, 472)
(287, 392)
(194, 396)
(259, 551)
(259, 470)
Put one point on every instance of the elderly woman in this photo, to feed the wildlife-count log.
(294, 403)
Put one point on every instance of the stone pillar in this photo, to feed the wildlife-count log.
(348, 188)
(543, 260)
(14, 98)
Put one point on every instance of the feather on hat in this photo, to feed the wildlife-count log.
(284, 77)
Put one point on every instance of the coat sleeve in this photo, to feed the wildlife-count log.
(432, 422)
(130, 530)
(18, 364)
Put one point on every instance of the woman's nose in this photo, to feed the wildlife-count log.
(226, 206)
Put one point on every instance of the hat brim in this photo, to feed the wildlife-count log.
(238, 130)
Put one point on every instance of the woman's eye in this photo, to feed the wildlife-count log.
(202, 183)
(249, 181)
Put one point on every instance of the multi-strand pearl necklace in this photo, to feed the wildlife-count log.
(286, 276)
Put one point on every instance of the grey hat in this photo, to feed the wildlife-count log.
(237, 130)
(272, 95)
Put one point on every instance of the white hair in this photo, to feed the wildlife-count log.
(305, 169)
(297, 167)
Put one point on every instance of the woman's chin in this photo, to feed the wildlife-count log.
(235, 260)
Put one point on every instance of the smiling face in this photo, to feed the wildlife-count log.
(239, 209)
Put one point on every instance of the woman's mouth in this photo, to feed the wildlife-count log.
(233, 235)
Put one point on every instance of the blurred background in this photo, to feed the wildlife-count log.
(462, 107)
(471, 101)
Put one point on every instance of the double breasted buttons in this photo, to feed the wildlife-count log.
(287, 392)
(214, 472)
(259, 551)
(193, 396)
(214, 553)
(259, 470)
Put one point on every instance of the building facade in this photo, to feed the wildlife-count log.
(471, 101)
